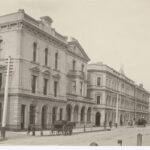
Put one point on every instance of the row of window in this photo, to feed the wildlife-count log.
(56, 58)
(73, 89)
(46, 56)
(141, 107)
(74, 66)
(45, 87)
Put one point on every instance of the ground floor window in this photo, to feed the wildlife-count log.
(32, 114)
(0, 113)
(98, 119)
(61, 113)
(22, 116)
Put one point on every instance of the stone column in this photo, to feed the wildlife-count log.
(27, 116)
(102, 117)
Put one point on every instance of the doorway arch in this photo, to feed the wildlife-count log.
(32, 114)
(68, 112)
(44, 117)
(98, 119)
(76, 112)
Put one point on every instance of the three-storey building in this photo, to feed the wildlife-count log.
(115, 95)
(49, 80)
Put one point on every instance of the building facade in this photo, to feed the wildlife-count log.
(115, 95)
(48, 78)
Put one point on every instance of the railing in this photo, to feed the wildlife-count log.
(75, 73)
(79, 98)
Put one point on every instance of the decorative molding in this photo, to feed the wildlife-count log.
(57, 76)
(46, 72)
(35, 69)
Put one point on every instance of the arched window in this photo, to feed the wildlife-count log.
(34, 51)
(56, 61)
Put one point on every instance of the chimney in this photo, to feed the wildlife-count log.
(141, 85)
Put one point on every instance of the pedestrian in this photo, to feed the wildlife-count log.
(110, 124)
(29, 129)
(104, 124)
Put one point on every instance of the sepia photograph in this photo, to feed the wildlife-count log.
(75, 73)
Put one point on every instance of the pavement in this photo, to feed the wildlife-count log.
(102, 137)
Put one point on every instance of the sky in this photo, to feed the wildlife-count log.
(115, 32)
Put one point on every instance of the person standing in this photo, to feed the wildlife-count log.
(110, 124)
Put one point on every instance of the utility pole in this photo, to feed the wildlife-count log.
(134, 102)
(117, 105)
(4, 119)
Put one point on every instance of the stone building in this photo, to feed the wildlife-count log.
(48, 79)
(115, 94)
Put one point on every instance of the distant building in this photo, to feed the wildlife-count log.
(106, 86)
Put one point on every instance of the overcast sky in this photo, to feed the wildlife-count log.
(112, 31)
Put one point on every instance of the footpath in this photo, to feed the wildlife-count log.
(23, 134)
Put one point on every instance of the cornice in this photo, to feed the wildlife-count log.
(37, 30)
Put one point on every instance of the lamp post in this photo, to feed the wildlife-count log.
(4, 119)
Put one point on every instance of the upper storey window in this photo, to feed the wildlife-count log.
(1, 44)
(34, 51)
(33, 83)
(74, 65)
(82, 68)
(46, 56)
(1, 41)
(98, 81)
(56, 61)
(0, 81)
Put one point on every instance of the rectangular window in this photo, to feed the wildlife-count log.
(46, 56)
(1, 48)
(22, 116)
(45, 86)
(34, 51)
(98, 81)
(73, 87)
(33, 83)
(81, 87)
(98, 99)
(0, 81)
(61, 113)
(74, 65)
(56, 61)
(1, 44)
(0, 113)
(55, 88)
(82, 68)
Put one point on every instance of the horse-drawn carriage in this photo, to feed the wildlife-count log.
(141, 122)
(65, 127)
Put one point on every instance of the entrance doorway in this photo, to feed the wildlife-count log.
(44, 117)
(121, 120)
(32, 114)
(97, 119)
(68, 114)
(23, 116)
(0, 113)
(54, 114)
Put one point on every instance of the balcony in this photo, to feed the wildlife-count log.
(79, 98)
(76, 74)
